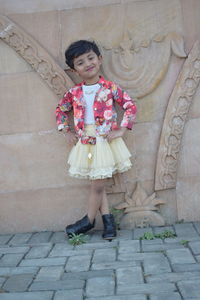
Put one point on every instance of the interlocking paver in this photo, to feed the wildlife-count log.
(172, 296)
(50, 273)
(10, 250)
(18, 283)
(11, 260)
(43, 262)
(172, 277)
(195, 247)
(8, 271)
(4, 238)
(98, 245)
(129, 246)
(69, 295)
(186, 267)
(129, 255)
(40, 237)
(38, 252)
(160, 247)
(58, 237)
(2, 280)
(197, 226)
(57, 285)
(198, 258)
(186, 230)
(45, 266)
(104, 255)
(180, 256)
(27, 296)
(96, 287)
(138, 232)
(113, 265)
(156, 265)
(124, 235)
(128, 277)
(147, 288)
(121, 297)
(20, 238)
(64, 250)
(78, 263)
(190, 289)
(88, 274)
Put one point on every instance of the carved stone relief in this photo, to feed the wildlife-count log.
(35, 55)
(141, 210)
(175, 118)
(141, 68)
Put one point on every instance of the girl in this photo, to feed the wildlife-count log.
(98, 150)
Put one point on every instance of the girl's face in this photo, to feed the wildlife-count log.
(87, 67)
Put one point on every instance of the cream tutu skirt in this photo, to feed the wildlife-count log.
(98, 161)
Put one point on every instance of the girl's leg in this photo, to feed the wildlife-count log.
(104, 207)
(96, 198)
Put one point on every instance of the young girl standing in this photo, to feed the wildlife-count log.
(99, 150)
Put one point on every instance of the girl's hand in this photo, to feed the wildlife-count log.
(116, 133)
(71, 138)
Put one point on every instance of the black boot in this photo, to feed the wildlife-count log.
(109, 227)
(80, 226)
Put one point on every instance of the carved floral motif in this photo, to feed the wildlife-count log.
(141, 210)
(35, 55)
(175, 118)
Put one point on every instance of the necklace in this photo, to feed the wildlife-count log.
(90, 89)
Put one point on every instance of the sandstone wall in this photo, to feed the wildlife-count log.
(151, 49)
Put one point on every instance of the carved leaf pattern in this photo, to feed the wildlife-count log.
(141, 209)
(175, 118)
(35, 55)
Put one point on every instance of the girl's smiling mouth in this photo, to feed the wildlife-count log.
(90, 69)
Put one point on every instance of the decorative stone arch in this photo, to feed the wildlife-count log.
(35, 55)
(174, 122)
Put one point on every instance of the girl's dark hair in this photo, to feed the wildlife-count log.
(78, 48)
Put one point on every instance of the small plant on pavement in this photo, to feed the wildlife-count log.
(163, 235)
(184, 243)
(78, 239)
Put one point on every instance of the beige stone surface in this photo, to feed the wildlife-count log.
(188, 191)
(44, 27)
(27, 104)
(190, 14)
(33, 161)
(11, 62)
(189, 160)
(42, 209)
(152, 107)
(146, 140)
(24, 6)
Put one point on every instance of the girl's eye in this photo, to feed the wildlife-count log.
(90, 58)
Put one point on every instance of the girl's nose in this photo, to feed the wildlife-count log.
(87, 63)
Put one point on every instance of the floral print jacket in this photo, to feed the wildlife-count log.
(104, 109)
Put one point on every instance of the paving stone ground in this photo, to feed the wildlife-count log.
(44, 266)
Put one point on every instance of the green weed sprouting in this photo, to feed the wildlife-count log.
(163, 235)
(78, 239)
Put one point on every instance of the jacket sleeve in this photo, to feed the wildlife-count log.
(128, 104)
(64, 106)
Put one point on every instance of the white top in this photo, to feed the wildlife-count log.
(89, 93)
